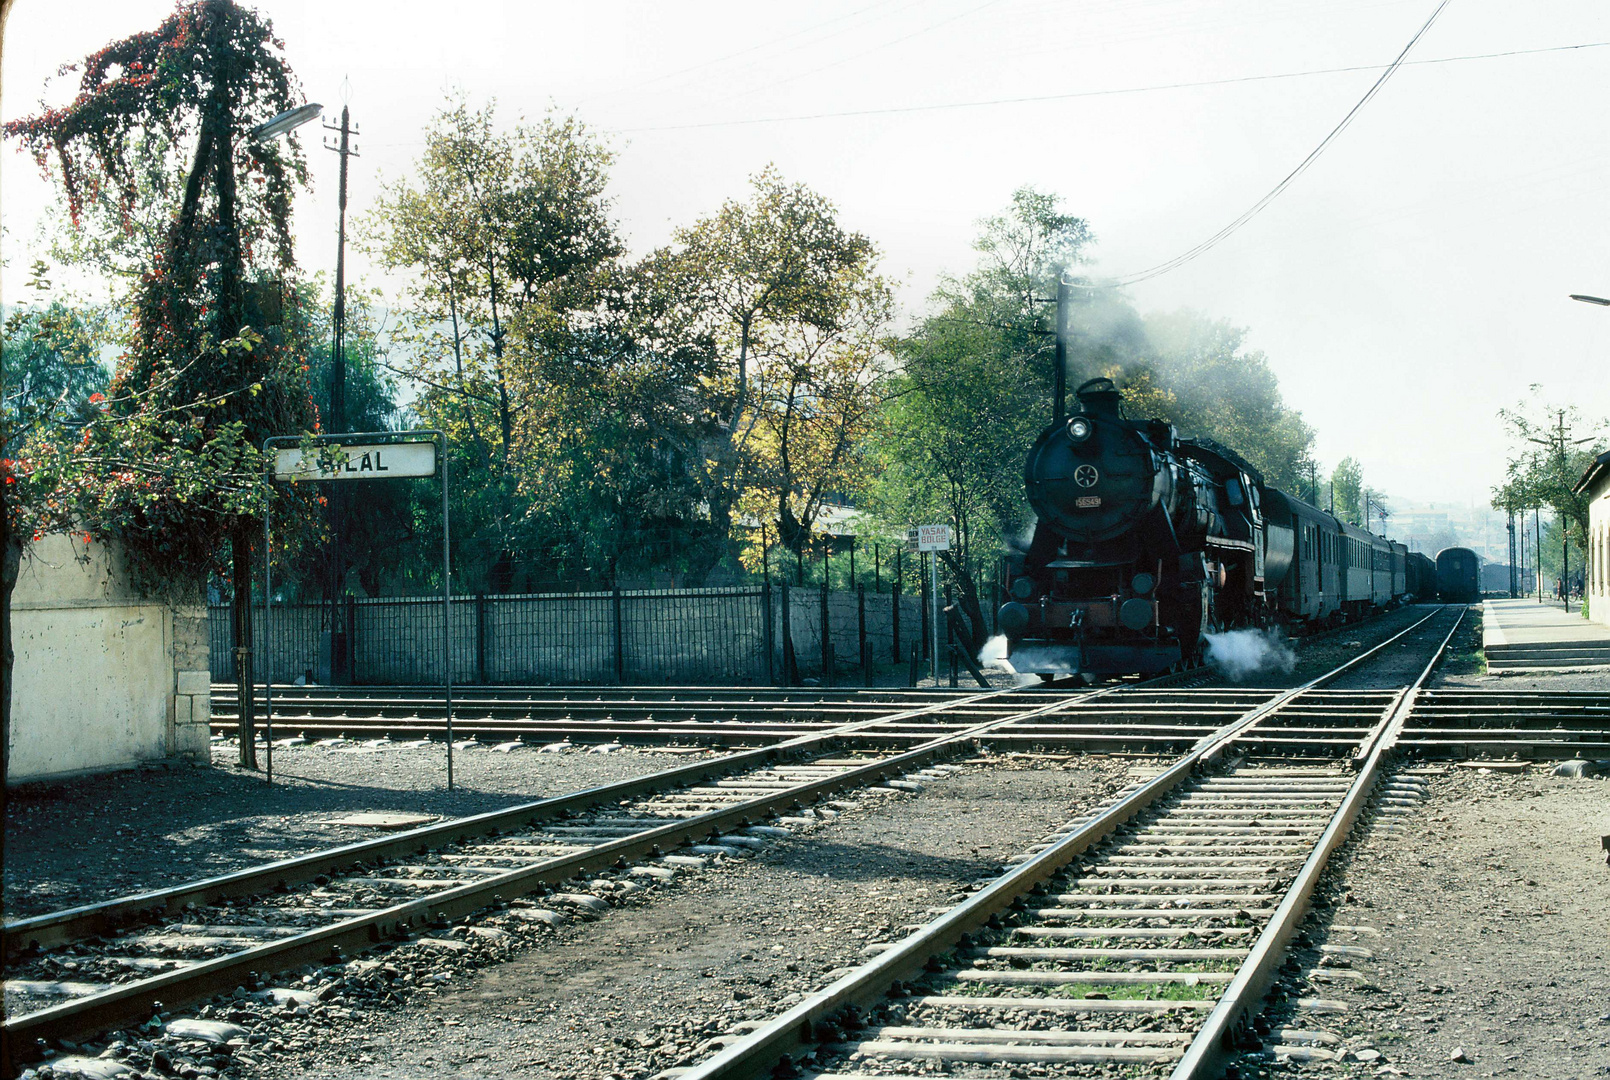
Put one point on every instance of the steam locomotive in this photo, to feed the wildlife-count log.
(1146, 542)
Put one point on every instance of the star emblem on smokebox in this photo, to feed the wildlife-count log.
(1086, 476)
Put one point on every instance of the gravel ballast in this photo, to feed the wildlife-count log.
(1482, 920)
(105, 836)
(642, 977)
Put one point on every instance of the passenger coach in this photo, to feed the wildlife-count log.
(1458, 575)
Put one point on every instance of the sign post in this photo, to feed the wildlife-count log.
(375, 455)
(933, 538)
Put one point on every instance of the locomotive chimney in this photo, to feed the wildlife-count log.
(1099, 397)
(1060, 355)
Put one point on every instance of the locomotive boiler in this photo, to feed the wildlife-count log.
(1146, 542)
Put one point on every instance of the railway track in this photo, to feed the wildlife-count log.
(1537, 725)
(192, 942)
(111, 965)
(1143, 935)
(641, 715)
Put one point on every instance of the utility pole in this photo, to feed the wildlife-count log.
(338, 356)
(1537, 550)
(339, 633)
(1560, 443)
(1509, 519)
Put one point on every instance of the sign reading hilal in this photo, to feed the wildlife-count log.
(373, 461)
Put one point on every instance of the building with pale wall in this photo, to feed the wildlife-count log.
(1595, 486)
(104, 677)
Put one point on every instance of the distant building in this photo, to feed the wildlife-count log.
(1595, 486)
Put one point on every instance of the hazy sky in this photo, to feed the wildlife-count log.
(1405, 288)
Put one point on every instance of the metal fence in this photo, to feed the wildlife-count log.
(681, 636)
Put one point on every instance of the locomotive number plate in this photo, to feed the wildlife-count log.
(1085, 502)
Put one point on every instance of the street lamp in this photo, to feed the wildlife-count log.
(1601, 301)
(286, 122)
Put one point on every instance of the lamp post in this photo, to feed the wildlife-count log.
(272, 128)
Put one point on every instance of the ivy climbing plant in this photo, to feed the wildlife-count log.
(214, 364)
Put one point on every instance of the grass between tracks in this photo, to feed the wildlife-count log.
(1138, 992)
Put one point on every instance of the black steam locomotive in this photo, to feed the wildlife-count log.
(1146, 542)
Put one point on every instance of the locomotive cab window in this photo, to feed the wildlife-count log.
(1232, 488)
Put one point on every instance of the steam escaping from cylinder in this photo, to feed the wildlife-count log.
(993, 657)
(1241, 654)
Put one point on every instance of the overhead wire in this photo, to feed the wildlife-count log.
(1029, 99)
(1274, 193)
(1110, 92)
(880, 46)
(761, 46)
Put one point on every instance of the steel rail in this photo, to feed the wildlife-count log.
(89, 920)
(135, 1001)
(1215, 1040)
(119, 1005)
(762, 1051)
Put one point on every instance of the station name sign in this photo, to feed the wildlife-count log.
(374, 461)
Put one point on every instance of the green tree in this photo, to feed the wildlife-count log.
(49, 364)
(607, 449)
(1347, 491)
(509, 246)
(974, 389)
(814, 394)
(1548, 455)
(205, 341)
(377, 518)
(753, 273)
(1220, 389)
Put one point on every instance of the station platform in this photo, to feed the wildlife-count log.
(1524, 635)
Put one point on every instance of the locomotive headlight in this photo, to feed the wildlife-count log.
(1022, 588)
(1079, 429)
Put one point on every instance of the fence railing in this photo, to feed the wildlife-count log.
(689, 636)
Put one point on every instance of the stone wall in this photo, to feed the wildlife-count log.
(104, 678)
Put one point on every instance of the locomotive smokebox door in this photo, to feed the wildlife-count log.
(1094, 476)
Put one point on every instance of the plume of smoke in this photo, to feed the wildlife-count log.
(1241, 654)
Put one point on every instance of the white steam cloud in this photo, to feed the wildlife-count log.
(993, 657)
(1240, 654)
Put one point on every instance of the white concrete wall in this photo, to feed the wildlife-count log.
(104, 678)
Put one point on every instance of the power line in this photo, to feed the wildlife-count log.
(1112, 92)
(761, 46)
(1313, 155)
(875, 48)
